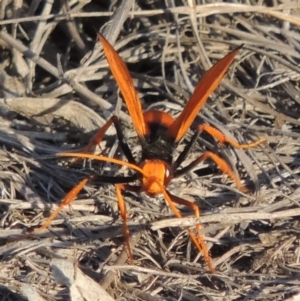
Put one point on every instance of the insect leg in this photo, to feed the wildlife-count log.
(72, 195)
(200, 239)
(222, 164)
(223, 139)
(101, 132)
(66, 201)
(218, 136)
(123, 212)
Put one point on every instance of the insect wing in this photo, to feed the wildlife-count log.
(204, 88)
(124, 80)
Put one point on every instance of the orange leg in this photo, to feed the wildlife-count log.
(223, 139)
(201, 245)
(122, 207)
(96, 139)
(198, 241)
(218, 136)
(123, 212)
(100, 134)
(66, 201)
(222, 164)
(74, 192)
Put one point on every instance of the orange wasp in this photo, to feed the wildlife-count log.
(159, 134)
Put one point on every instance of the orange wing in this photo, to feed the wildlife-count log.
(205, 87)
(124, 80)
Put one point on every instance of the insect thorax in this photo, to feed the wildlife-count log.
(157, 145)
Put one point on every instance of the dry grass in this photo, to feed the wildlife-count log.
(51, 103)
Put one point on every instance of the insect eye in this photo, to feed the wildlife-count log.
(168, 174)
